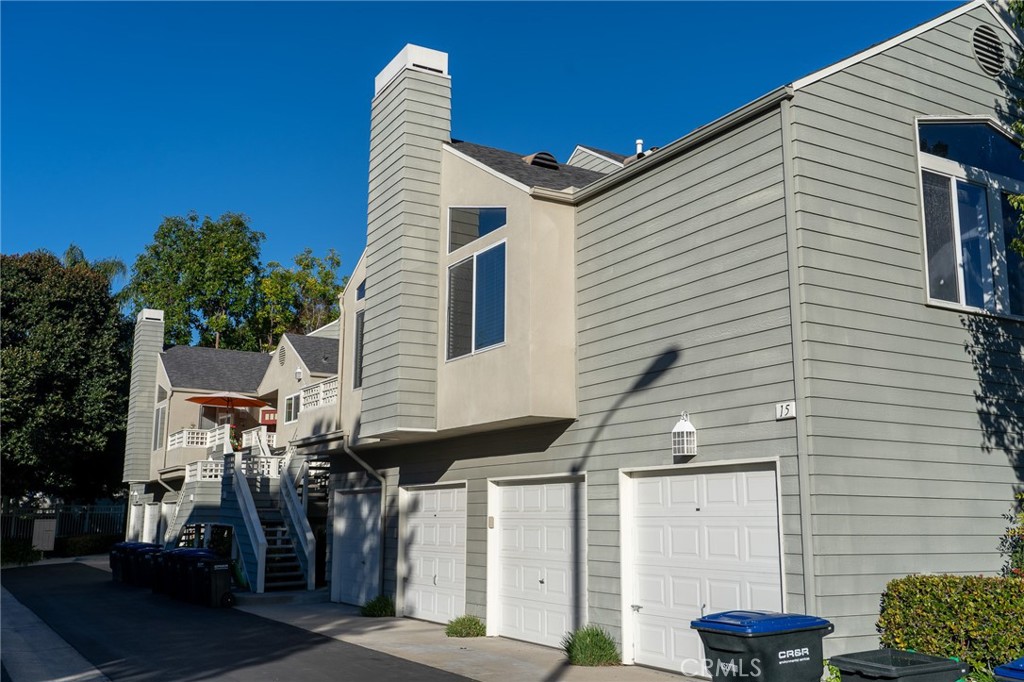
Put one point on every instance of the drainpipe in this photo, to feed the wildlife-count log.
(348, 450)
(383, 504)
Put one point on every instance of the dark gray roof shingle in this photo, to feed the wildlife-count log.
(320, 353)
(214, 369)
(611, 155)
(512, 165)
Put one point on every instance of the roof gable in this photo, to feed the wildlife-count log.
(318, 353)
(903, 37)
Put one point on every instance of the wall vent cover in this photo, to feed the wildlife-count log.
(280, 355)
(988, 50)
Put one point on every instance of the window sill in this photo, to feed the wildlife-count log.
(477, 352)
(970, 310)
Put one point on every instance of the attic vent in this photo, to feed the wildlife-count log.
(988, 50)
(542, 160)
(280, 356)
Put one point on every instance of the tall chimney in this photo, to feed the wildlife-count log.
(149, 342)
(410, 121)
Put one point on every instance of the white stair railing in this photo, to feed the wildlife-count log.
(251, 518)
(298, 524)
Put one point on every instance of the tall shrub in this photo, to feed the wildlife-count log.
(974, 618)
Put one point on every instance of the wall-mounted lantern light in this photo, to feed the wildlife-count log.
(298, 374)
(684, 438)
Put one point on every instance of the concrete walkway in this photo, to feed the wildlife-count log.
(34, 653)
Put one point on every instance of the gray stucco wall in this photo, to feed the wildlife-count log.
(908, 472)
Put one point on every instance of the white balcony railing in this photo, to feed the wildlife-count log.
(188, 438)
(206, 470)
(320, 394)
(250, 437)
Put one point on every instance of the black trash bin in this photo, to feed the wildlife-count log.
(146, 569)
(893, 664)
(1011, 672)
(182, 570)
(210, 583)
(120, 559)
(136, 565)
(760, 646)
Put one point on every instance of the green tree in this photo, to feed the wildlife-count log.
(204, 276)
(302, 298)
(64, 357)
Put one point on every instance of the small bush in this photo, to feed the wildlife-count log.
(972, 618)
(465, 626)
(378, 607)
(591, 645)
(831, 673)
(19, 552)
(1011, 544)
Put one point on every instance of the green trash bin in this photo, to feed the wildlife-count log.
(893, 664)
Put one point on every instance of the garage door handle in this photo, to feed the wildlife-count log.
(435, 581)
(541, 581)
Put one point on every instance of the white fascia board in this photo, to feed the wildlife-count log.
(903, 37)
(487, 169)
(590, 151)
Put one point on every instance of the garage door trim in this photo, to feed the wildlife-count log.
(627, 478)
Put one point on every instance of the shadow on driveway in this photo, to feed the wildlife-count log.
(128, 633)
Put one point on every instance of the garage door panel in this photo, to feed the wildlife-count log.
(536, 553)
(435, 560)
(711, 544)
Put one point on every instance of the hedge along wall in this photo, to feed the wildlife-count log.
(976, 619)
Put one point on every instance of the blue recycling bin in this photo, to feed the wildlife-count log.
(1011, 672)
(763, 646)
(894, 664)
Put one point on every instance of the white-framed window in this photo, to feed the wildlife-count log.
(969, 169)
(466, 224)
(476, 302)
(292, 405)
(159, 427)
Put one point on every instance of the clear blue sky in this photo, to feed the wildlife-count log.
(114, 115)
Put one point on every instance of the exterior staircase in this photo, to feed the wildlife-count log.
(283, 570)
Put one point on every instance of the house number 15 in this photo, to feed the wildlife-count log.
(785, 410)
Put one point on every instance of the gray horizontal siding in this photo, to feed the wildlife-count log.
(904, 475)
(582, 158)
(409, 123)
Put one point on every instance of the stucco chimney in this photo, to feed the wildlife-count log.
(410, 122)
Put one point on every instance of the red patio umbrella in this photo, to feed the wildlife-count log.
(227, 399)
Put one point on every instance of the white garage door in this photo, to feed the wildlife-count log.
(435, 558)
(700, 541)
(536, 559)
(355, 563)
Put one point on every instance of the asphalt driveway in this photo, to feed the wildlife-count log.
(129, 633)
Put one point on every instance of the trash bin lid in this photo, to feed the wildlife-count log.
(758, 622)
(1013, 670)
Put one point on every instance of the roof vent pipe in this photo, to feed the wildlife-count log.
(639, 148)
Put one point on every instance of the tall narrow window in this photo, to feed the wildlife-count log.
(159, 425)
(357, 361)
(476, 302)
